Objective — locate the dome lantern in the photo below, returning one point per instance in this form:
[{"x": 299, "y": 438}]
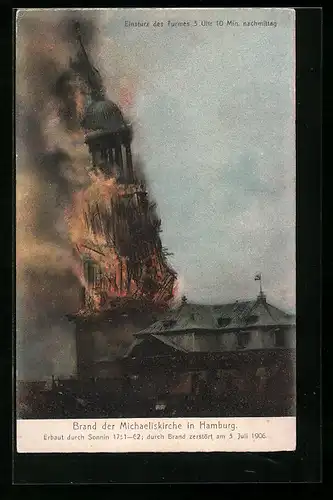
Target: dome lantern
[
  {"x": 107, "y": 134},
  {"x": 108, "y": 137}
]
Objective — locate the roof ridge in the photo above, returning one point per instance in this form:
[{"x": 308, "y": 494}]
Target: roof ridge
[
  {"x": 254, "y": 304},
  {"x": 231, "y": 303},
  {"x": 267, "y": 309}
]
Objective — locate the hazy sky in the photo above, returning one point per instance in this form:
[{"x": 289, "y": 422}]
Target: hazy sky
[{"x": 214, "y": 121}]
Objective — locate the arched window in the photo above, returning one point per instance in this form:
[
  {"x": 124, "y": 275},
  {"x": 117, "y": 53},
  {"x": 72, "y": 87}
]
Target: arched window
[
  {"x": 252, "y": 319},
  {"x": 92, "y": 271},
  {"x": 97, "y": 158},
  {"x": 279, "y": 338},
  {"x": 243, "y": 339}
]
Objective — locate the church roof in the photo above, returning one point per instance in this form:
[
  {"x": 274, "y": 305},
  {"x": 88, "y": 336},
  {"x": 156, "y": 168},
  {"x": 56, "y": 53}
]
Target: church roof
[
  {"x": 222, "y": 317},
  {"x": 258, "y": 312}
]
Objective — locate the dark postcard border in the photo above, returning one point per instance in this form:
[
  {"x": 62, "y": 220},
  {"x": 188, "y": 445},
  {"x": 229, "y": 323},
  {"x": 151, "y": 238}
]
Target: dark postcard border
[{"x": 304, "y": 465}]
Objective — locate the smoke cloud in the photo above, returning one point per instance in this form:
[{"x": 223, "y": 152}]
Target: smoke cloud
[{"x": 50, "y": 165}]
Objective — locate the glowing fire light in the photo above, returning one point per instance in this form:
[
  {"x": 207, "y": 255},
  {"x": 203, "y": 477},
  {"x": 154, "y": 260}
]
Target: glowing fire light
[
  {"x": 111, "y": 269},
  {"x": 80, "y": 100}
]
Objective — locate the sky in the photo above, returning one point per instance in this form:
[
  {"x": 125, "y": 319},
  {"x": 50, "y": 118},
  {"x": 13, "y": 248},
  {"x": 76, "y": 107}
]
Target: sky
[{"x": 214, "y": 121}]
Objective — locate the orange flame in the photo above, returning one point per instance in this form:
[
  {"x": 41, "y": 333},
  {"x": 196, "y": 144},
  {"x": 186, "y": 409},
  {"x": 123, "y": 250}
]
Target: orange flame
[
  {"x": 79, "y": 99},
  {"x": 110, "y": 269}
]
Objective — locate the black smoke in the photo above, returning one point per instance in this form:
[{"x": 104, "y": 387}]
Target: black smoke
[{"x": 47, "y": 288}]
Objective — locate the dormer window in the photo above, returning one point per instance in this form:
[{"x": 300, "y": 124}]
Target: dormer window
[
  {"x": 223, "y": 322},
  {"x": 252, "y": 319},
  {"x": 169, "y": 323}
]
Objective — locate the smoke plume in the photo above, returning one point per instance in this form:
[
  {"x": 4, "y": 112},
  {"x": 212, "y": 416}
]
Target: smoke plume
[{"x": 51, "y": 159}]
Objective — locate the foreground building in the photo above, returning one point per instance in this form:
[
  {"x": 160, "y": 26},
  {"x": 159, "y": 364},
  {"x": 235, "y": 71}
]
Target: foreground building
[
  {"x": 235, "y": 359},
  {"x": 242, "y": 352}
]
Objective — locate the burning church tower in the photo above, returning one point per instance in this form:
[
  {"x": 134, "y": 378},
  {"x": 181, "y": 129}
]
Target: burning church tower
[{"x": 126, "y": 280}]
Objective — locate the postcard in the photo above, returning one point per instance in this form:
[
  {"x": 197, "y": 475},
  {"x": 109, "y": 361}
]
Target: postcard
[{"x": 155, "y": 231}]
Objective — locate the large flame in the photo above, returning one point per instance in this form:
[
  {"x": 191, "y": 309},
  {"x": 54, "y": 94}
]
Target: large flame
[{"x": 101, "y": 233}]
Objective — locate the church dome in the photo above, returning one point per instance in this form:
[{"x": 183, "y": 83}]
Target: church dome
[{"x": 103, "y": 116}]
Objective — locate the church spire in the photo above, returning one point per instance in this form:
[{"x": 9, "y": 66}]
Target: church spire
[
  {"x": 86, "y": 70},
  {"x": 261, "y": 296}
]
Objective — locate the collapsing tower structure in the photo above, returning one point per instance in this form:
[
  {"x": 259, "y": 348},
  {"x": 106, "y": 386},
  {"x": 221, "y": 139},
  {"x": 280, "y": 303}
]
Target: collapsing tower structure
[
  {"x": 121, "y": 248},
  {"x": 113, "y": 225}
]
